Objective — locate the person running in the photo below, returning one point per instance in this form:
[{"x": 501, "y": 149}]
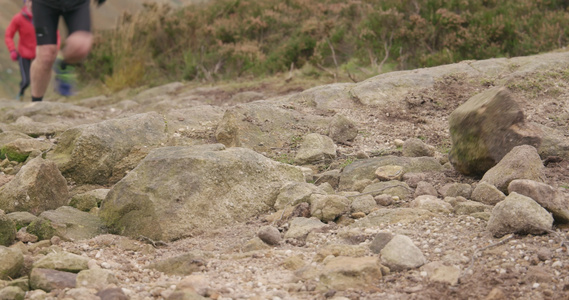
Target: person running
[
  {"x": 77, "y": 17},
  {"x": 26, "y": 51}
]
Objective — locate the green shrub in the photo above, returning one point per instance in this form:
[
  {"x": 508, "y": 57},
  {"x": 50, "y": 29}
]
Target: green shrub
[{"x": 231, "y": 38}]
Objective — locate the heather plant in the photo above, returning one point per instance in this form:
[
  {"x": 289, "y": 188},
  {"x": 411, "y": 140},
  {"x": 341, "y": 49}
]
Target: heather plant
[{"x": 225, "y": 39}]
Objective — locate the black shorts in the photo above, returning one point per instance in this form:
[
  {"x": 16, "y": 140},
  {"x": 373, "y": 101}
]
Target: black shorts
[{"x": 46, "y": 19}]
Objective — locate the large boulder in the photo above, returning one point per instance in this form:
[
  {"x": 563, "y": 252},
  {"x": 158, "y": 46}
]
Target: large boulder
[
  {"x": 522, "y": 162},
  {"x": 485, "y": 128},
  {"x": 178, "y": 191},
  {"x": 37, "y": 187},
  {"x": 88, "y": 153},
  {"x": 259, "y": 126}
]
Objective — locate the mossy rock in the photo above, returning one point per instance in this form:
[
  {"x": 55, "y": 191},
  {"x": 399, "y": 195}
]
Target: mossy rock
[
  {"x": 13, "y": 154},
  {"x": 7, "y": 231},
  {"x": 42, "y": 229}
]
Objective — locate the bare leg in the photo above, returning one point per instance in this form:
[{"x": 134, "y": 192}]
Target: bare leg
[
  {"x": 77, "y": 47},
  {"x": 41, "y": 69}
]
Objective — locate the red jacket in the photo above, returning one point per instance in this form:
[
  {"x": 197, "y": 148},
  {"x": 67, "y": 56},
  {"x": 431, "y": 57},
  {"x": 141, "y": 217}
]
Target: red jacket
[{"x": 22, "y": 23}]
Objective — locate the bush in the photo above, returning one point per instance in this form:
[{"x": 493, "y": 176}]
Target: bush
[{"x": 233, "y": 38}]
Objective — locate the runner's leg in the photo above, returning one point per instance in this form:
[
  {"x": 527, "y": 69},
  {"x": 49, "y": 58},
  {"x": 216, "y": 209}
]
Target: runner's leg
[
  {"x": 78, "y": 43},
  {"x": 45, "y": 22},
  {"x": 25, "y": 72}
]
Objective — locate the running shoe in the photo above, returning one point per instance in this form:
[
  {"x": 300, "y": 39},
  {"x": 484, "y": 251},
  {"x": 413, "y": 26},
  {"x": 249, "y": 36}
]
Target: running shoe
[{"x": 64, "y": 78}]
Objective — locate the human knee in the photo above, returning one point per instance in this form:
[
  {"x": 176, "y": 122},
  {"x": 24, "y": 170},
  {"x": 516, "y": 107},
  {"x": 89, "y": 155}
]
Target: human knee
[
  {"x": 77, "y": 46},
  {"x": 46, "y": 54}
]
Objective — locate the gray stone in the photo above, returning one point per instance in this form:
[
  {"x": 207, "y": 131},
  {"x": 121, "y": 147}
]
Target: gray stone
[
  {"x": 456, "y": 189},
  {"x": 383, "y": 199},
  {"x": 72, "y": 224},
  {"x": 413, "y": 179},
  {"x": 548, "y": 197},
  {"x": 365, "y": 204},
  {"x": 20, "y": 149},
  {"x": 86, "y": 201},
  {"x": 330, "y": 97},
  {"x": 438, "y": 272},
  {"x": 95, "y": 279},
  {"x": 49, "y": 280},
  {"x": 416, "y": 148},
  {"x": 8, "y": 136},
  {"x": 79, "y": 152},
  {"x": 12, "y": 293},
  {"x": 11, "y": 262},
  {"x": 254, "y": 244},
  {"x": 431, "y": 203},
  {"x": 328, "y": 207},
  {"x": 485, "y": 128},
  {"x": 315, "y": 148},
  {"x": 23, "y": 236},
  {"x": 470, "y": 207},
  {"x": 401, "y": 254},
  {"x": 38, "y": 186},
  {"x": 7, "y": 230},
  {"x": 519, "y": 214},
  {"x": 177, "y": 191},
  {"x": 79, "y": 293},
  {"x": 342, "y": 273},
  {"x": 332, "y": 177},
  {"x": 342, "y": 130},
  {"x": 270, "y": 235},
  {"x": 379, "y": 241},
  {"x": 553, "y": 142},
  {"x": 425, "y": 188},
  {"x": 522, "y": 162},
  {"x": 293, "y": 193},
  {"x": 112, "y": 294},
  {"x": 184, "y": 264},
  {"x": 393, "y": 188},
  {"x": 389, "y": 172},
  {"x": 301, "y": 227},
  {"x": 21, "y": 218},
  {"x": 194, "y": 125},
  {"x": 185, "y": 295},
  {"x": 384, "y": 216},
  {"x": 365, "y": 169},
  {"x": 63, "y": 261},
  {"x": 487, "y": 194},
  {"x": 258, "y": 125},
  {"x": 195, "y": 283}
]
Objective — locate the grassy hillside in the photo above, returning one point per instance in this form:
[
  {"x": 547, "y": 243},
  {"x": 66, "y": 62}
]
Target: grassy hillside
[
  {"x": 104, "y": 17},
  {"x": 343, "y": 40}
]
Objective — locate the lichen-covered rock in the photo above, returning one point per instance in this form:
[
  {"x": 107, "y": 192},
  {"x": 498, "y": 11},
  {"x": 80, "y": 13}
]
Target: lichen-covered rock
[
  {"x": 88, "y": 153},
  {"x": 315, "y": 148},
  {"x": 7, "y": 230},
  {"x": 11, "y": 262},
  {"x": 177, "y": 191},
  {"x": 485, "y": 128},
  {"x": 522, "y": 162},
  {"x": 37, "y": 187},
  {"x": 519, "y": 214}
]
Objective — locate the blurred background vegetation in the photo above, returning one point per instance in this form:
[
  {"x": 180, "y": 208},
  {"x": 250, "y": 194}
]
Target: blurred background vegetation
[{"x": 337, "y": 40}]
